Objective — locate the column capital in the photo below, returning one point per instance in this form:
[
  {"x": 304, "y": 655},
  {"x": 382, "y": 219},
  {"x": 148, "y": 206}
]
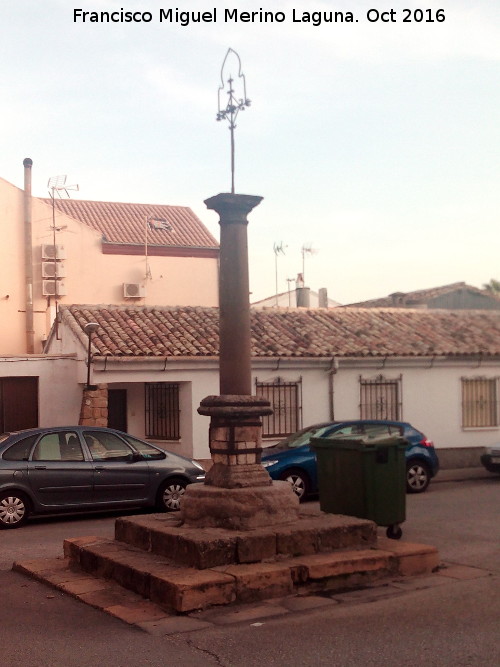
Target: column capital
[{"x": 233, "y": 208}]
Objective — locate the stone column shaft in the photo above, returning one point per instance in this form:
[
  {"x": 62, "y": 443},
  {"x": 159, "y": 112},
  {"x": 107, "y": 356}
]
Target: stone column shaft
[{"x": 234, "y": 292}]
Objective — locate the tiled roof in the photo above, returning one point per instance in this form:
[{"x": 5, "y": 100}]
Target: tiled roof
[
  {"x": 135, "y": 331},
  {"x": 419, "y": 296},
  {"x": 125, "y": 223}
]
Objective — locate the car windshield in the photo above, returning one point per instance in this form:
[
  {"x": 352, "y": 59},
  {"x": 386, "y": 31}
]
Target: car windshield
[{"x": 302, "y": 437}]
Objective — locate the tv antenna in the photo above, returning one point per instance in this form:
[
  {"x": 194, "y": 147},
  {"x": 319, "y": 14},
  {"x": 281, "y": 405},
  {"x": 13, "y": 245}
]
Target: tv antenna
[
  {"x": 234, "y": 104},
  {"x": 306, "y": 250},
  {"x": 290, "y": 281},
  {"x": 153, "y": 223},
  {"x": 279, "y": 249},
  {"x": 57, "y": 184}
]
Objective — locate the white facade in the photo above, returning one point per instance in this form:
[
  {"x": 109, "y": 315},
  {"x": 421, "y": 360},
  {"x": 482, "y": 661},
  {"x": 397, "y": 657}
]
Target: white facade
[
  {"x": 89, "y": 275},
  {"x": 431, "y": 396},
  {"x": 59, "y": 394},
  {"x": 430, "y": 391}
]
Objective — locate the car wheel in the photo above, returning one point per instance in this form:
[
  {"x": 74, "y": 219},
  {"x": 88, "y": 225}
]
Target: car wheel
[
  {"x": 298, "y": 481},
  {"x": 170, "y": 495},
  {"x": 417, "y": 477},
  {"x": 394, "y": 532},
  {"x": 14, "y": 509}
]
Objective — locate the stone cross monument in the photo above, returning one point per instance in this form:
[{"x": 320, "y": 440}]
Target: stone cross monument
[{"x": 238, "y": 493}]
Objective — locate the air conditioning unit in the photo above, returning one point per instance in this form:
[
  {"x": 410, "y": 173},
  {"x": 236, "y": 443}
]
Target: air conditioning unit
[
  {"x": 53, "y": 288},
  {"x": 133, "y": 290},
  {"x": 50, "y": 251},
  {"x": 53, "y": 270}
]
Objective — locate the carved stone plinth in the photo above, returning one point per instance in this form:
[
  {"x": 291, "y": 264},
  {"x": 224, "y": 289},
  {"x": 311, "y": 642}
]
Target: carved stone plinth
[{"x": 239, "y": 508}]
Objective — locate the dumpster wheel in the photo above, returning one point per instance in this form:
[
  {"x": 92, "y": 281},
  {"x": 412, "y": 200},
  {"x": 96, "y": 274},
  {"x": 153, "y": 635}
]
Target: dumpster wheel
[{"x": 394, "y": 531}]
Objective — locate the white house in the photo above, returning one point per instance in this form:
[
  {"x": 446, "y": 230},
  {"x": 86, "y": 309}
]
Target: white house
[
  {"x": 63, "y": 251},
  {"x": 439, "y": 370},
  {"x": 453, "y": 296}
]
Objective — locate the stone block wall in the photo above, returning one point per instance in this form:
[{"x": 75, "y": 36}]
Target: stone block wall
[{"x": 94, "y": 409}]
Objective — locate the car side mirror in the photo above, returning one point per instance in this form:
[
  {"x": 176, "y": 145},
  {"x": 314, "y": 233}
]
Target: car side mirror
[{"x": 135, "y": 456}]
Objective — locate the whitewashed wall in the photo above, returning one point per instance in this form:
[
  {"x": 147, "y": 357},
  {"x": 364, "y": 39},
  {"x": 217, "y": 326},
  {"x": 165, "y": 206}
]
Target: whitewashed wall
[
  {"x": 431, "y": 392},
  {"x": 59, "y": 395},
  {"x": 431, "y": 397}
]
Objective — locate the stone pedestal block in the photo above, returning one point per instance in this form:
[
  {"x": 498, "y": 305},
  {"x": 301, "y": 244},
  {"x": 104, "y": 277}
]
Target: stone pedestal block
[{"x": 239, "y": 508}]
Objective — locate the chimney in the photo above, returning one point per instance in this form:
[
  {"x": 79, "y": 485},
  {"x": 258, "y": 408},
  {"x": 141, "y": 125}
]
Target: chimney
[
  {"x": 322, "y": 297},
  {"x": 301, "y": 292},
  {"x": 28, "y": 257},
  {"x": 398, "y": 299}
]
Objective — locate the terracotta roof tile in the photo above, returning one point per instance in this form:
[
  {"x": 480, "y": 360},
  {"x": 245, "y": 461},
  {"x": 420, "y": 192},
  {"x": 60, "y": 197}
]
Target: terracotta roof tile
[
  {"x": 125, "y": 223},
  {"x": 135, "y": 331}
]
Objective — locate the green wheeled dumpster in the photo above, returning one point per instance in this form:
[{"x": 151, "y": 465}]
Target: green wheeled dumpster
[{"x": 365, "y": 478}]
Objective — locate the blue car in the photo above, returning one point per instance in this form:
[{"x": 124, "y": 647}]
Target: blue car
[{"x": 293, "y": 460}]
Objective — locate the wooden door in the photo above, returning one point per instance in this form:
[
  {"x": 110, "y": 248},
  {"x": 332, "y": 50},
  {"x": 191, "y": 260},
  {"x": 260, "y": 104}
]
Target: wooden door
[{"x": 18, "y": 403}]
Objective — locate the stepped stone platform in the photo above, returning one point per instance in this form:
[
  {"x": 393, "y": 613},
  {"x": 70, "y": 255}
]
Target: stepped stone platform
[{"x": 181, "y": 569}]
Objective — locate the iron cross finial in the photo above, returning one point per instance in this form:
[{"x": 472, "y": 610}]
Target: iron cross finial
[{"x": 235, "y": 102}]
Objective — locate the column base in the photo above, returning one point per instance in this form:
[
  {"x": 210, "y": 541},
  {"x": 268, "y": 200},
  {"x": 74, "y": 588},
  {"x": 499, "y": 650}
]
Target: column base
[{"x": 245, "y": 508}]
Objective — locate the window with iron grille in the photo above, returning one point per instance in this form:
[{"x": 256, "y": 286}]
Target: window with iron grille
[
  {"x": 285, "y": 400},
  {"x": 162, "y": 411},
  {"x": 380, "y": 398},
  {"x": 480, "y": 402}
]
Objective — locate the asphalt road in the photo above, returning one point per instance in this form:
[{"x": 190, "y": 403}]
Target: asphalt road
[{"x": 436, "y": 621}]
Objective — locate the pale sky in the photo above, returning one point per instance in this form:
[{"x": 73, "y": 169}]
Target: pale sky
[{"x": 375, "y": 143}]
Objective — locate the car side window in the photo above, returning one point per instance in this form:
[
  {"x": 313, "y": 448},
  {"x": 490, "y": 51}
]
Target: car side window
[
  {"x": 20, "y": 451},
  {"x": 381, "y": 430},
  {"x": 59, "y": 446},
  {"x": 347, "y": 430},
  {"x": 148, "y": 452},
  {"x": 107, "y": 446},
  {"x": 376, "y": 431}
]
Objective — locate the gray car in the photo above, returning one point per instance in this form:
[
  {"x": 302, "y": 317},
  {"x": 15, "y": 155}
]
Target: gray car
[
  {"x": 491, "y": 458},
  {"x": 83, "y": 468}
]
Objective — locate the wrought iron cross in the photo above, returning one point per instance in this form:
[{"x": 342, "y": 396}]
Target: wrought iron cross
[{"x": 235, "y": 103}]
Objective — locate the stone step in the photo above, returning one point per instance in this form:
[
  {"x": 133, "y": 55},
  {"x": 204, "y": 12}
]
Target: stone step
[
  {"x": 184, "y": 589},
  {"x": 203, "y": 548}
]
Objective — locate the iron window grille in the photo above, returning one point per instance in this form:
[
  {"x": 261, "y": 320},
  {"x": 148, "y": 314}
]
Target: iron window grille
[
  {"x": 286, "y": 402},
  {"x": 162, "y": 411},
  {"x": 380, "y": 398},
  {"x": 480, "y": 405}
]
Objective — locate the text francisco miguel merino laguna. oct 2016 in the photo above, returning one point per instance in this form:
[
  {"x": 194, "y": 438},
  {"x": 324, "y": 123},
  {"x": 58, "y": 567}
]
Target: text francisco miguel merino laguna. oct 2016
[{"x": 235, "y": 15}]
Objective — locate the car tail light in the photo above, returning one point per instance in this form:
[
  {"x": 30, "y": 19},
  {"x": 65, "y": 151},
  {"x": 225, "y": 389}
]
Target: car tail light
[{"x": 426, "y": 442}]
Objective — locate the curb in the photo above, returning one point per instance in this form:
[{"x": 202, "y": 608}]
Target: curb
[
  {"x": 462, "y": 475},
  {"x": 110, "y": 598}
]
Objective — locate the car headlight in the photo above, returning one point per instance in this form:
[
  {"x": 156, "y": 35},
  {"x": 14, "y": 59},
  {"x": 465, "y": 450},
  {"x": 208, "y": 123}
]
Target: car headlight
[
  {"x": 198, "y": 465},
  {"x": 268, "y": 464}
]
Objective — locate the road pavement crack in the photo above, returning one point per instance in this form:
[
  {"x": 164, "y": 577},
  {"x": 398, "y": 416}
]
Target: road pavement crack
[{"x": 218, "y": 660}]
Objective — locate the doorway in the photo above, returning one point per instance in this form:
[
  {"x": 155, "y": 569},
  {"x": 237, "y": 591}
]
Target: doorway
[
  {"x": 18, "y": 403},
  {"x": 117, "y": 409}
]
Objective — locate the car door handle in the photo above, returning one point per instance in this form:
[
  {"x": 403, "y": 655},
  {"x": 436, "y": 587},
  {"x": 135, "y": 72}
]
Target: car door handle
[
  {"x": 40, "y": 467},
  {"x": 99, "y": 468}
]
